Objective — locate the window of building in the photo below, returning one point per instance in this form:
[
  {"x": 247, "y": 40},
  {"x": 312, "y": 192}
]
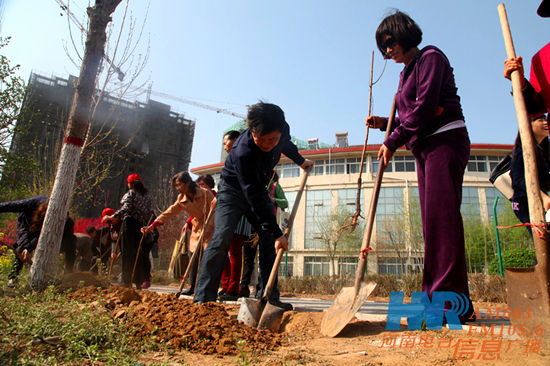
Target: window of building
[
  {"x": 375, "y": 162},
  {"x": 289, "y": 171},
  {"x": 470, "y": 202},
  {"x": 291, "y": 198},
  {"x": 390, "y": 216},
  {"x": 490, "y": 195},
  {"x": 493, "y": 161},
  {"x": 394, "y": 266},
  {"x": 404, "y": 163},
  {"x": 286, "y": 268},
  {"x": 477, "y": 163},
  {"x": 336, "y": 166},
  {"x": 318, "y": 168},
  {"x": 316, "y": 266},
  {"x": 347, "y": 265},
  {"x": 353, "y": 165},
  {"x": 318, "y": 206}
]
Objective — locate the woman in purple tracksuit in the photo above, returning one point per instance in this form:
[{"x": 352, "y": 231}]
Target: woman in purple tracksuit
[{"x": 431, "y": 125}]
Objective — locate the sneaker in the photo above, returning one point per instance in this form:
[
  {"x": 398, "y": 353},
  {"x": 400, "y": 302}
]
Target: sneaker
[
  {"x": 11, "y": 283},
  {"x": 228, "y": 296},
  {"x": 222, "y": 292},
  {"x": 283, "y": 305},
  {"x": 146, "y": 284}
]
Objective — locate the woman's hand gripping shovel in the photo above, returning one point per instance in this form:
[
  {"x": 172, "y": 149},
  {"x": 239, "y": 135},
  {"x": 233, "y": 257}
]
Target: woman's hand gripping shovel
[
  {"x": 261, "y": 313},
  {"x": 350, "y": 299}
]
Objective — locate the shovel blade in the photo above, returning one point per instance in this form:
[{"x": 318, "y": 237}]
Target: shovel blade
[
  {"x": 344, "y": 308},
  {"x": 527, "y": 307},
  {"x": 271, "y": 318},
  {"x": 250, "y": 312}
]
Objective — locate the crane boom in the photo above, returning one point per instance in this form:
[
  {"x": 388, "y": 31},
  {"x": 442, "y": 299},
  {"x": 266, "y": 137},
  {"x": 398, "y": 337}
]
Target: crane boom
[{"x": 197, "y": 104}]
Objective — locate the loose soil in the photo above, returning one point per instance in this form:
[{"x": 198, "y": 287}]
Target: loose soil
[{"x": 209, "y": 334}]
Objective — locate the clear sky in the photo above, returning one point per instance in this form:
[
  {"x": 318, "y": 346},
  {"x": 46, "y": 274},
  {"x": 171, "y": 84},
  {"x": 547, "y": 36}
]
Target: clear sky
[{"x": 311, "y": 57}]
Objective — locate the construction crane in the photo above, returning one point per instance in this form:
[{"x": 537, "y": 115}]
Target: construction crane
[{"x": 197, "y": 104}]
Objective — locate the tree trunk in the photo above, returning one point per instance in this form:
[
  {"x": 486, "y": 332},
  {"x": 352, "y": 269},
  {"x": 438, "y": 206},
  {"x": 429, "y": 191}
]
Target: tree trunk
[{"x": 50, "y": 237}]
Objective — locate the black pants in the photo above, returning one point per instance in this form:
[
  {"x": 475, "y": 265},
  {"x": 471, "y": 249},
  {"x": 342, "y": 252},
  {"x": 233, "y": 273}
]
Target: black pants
[
  {"x": 249, "y": 256},
  {"x": 131, "y": 235}
]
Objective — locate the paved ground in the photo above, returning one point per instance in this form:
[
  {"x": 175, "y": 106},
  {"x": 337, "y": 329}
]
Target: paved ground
[{"x": 370, "y": 311}]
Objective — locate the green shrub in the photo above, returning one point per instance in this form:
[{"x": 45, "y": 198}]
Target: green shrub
[{"x": 514, "y": 258}]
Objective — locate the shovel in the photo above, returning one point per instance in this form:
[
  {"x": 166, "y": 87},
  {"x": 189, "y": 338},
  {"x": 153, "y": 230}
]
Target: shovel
[
  {"x": 528, "y": 289},
  {"x": 261, "y": 313},
  {"x": 350, "y": 299},
  {"x": 196, "y": 254}
]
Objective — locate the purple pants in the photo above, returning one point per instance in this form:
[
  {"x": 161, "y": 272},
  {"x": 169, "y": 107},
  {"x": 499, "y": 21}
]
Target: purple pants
[{"x": 441, "y": 160}]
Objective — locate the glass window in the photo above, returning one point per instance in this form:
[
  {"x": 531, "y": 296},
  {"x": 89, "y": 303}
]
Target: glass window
[
  {"x": 290, "y": 171},
  {"x": 477, "y": 163},
  {"x": 404, "y": 163},
  {"x": 315, "y": 266},
  {"x": 336, "y": 166},
  {"x": 347, "y": 265},
  {"x": 286, "y": 268},
  {"x": 389, "y": 216},
  {"x": 389, "y": 168},
  {"x": 318, "y": 206},
  {"x": 291, "y": 198},
  {"x": 490, "y": 195},
  {"x": 470, "y": 202},
  {"x": 353, "y": 165},
  {"x": 394, "y": 266},
  {"x": 318, "y": 167}
]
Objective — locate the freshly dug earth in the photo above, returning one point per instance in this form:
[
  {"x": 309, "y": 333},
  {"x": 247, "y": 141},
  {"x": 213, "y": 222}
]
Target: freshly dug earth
[
  {"x": 210, "y": 334},
  {"x": 206, "y": 329}
]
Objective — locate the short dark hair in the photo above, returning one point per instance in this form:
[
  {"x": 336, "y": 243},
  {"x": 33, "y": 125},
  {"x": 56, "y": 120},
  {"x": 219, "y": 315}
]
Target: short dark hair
[
  {"x": 401, "y": 28},
  {"x": 138, "y": 186},
  {"x": 184, "y": 177},
  {"x": 232, "y": 135},
  {"x": 207, "y": 179},
  {"x": 90, "y": 230},
  {"x": 264, "y": 118}
]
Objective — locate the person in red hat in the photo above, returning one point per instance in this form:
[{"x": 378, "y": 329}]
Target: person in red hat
[
  {"x": 536, "y": 90},
  {"x": 134, "y": 212}
]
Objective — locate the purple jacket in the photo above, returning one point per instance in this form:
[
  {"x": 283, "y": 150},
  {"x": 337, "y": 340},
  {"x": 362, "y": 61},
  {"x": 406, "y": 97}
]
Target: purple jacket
[{"x": 426, "y": 99}]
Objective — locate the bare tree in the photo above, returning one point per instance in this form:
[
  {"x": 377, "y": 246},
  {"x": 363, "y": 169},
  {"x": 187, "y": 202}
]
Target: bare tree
[
  {"x": 50, "y": 237},
  {"x": 338, "y": 240}
]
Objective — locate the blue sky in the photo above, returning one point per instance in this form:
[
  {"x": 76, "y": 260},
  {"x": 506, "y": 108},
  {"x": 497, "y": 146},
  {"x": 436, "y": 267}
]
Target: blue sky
[{"x": 311, "y": 57}]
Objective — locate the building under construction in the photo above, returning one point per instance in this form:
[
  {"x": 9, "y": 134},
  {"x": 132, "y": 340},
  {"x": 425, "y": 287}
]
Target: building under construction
[{"x": 124, "y": 137}]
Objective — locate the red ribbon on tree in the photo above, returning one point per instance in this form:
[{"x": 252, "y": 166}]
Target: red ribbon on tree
[{"x": 365, "y": 251}]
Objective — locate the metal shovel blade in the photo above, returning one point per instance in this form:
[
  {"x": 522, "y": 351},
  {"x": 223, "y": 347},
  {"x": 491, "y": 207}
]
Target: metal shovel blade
[
  {"x": 527, "y": 308},
  {"x": 344, "y": 308},
  {"x": 271, "y": 318},
  {"x": 250, "y": 311}
]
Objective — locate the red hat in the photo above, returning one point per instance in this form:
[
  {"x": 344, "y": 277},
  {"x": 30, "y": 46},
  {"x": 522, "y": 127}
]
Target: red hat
[
  {"x": 133, "y": 177},
  {"x": 107, "y": 212}
]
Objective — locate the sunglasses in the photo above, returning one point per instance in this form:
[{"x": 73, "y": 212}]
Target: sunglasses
[{"x": 389, "y": 42}]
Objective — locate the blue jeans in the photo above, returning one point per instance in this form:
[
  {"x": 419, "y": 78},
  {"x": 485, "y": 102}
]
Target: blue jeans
[{"x": 231, "y": 205}]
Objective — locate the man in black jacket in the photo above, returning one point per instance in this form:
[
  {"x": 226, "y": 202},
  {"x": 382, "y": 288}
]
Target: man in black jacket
[{"x": 241, "y": 191}]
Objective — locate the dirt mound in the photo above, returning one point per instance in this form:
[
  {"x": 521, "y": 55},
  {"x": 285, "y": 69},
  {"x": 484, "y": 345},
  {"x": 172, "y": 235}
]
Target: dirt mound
[
  {"x": 76, "y": 280},
  {"x": 206, "y": 329}
]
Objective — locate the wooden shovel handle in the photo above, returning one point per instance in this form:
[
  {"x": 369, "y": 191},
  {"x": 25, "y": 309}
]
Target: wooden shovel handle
[
  {"x": 275, "y": 268},
  {"x": 536, "y": 211},
  {"x": 362, "y": 264}
]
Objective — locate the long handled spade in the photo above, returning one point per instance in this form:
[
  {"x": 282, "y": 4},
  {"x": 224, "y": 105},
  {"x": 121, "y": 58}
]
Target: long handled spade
[
  {"x": 528, "y": 289},
  {"x": 196, "y": 254},
  {"x": 350, "y": 299},
  {"x": 114, "y": 254},
  {"x": 139, "y": 250},
  {"x": 261, "y": 313}
]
